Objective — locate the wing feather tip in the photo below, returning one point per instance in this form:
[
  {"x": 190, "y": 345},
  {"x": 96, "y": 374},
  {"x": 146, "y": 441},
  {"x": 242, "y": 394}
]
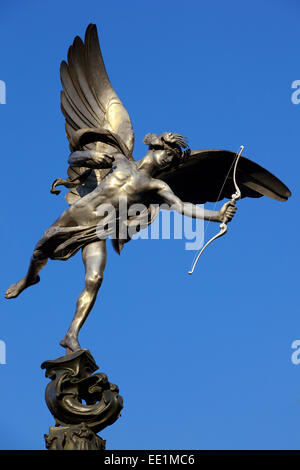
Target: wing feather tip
[
  {"x": 288, "y": 193},
  {"x": 90, "y": 30}
]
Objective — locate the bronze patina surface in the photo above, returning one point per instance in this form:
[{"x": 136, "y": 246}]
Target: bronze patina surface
[{"x": 102, "y": 172}]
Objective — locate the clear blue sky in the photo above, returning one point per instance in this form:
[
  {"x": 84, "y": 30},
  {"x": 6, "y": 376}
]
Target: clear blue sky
[{"x": 203, "y": 361}]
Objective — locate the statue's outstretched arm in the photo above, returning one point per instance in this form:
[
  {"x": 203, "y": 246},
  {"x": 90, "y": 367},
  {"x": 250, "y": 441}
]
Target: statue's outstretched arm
[
  {"x": 90, "y": 159},
  {"x": 192, "y": 210}
]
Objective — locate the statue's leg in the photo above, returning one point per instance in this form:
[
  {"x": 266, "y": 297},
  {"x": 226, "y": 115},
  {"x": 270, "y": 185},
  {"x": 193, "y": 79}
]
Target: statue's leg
[
  {"x": 37, "y": 262},
  {"x": 94, "y": 258}
]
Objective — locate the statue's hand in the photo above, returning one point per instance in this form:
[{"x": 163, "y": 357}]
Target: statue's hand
[
  {"x": 105, "y": 160},
  {"x": 227, "y": 212},
  {"x": 90, "y": 159}
]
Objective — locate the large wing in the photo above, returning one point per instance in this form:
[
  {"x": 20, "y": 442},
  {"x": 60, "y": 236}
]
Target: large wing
[
  {"x": 95, "y": 117},
  {"x": 200, "y": 178}
]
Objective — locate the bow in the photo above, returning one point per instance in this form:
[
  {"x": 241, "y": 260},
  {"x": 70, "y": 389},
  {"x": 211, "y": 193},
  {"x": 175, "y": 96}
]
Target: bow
[{"x": 234, "y": 198}]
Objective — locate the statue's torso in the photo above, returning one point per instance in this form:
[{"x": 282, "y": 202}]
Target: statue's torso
[{"x": 124, "y": 181}]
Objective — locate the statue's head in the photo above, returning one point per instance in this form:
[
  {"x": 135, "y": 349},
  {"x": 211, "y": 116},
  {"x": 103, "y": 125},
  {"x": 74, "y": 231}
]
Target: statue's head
[{"x": 171, "y": 143}]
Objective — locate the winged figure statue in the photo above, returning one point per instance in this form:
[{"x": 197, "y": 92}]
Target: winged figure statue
[{"x": 102, "y": 173}]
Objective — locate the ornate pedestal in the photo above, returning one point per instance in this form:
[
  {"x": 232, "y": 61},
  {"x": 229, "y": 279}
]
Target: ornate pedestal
[{"x": 81, "y": 403}]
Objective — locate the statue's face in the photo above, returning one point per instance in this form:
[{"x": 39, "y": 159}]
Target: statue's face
[
  {"x": 161, "y": 147},
  {"x": 162, "y": 158}
]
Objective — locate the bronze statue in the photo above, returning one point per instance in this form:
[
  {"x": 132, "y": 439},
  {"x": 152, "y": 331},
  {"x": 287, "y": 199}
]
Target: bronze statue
[{"x": 103, "y": 173}]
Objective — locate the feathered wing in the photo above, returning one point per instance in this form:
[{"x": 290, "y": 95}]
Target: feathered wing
[
  {"x": 200, "y": 178},
  {"x": 207, "y": 176},
  {"x": 95, "y": 117}
]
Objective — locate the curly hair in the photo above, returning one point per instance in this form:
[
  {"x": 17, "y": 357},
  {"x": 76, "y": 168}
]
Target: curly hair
[{"x": 174, "y": 139}]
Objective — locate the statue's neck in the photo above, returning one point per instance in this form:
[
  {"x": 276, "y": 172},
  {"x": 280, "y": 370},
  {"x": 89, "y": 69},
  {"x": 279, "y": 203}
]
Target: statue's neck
[{"x": 147, "y": 163}]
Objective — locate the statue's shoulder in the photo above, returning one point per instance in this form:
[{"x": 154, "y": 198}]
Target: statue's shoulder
[{"x": 122, "y": 159}]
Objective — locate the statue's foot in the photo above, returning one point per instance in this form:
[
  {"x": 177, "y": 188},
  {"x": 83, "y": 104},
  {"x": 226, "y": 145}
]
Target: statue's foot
[
  {"x": 18, "y": 287},
  {"x": 70, "y": 343}
]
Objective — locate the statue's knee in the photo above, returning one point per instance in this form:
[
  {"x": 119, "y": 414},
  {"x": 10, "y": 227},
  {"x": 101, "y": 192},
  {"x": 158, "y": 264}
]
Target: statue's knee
[
  {"x": 38, "y": 255},
  {"x": 93, "y": 280}
]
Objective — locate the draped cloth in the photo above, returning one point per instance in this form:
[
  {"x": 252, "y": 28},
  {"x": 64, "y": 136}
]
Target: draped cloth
[{"x": 62, "y": 242}]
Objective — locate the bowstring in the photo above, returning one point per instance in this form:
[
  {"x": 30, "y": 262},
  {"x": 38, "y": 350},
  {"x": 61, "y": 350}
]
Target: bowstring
[{"x": 220, "y": 192}]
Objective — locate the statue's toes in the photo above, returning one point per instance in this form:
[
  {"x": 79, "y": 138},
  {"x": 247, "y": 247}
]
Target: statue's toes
[{"x": 12, "y": 291}]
